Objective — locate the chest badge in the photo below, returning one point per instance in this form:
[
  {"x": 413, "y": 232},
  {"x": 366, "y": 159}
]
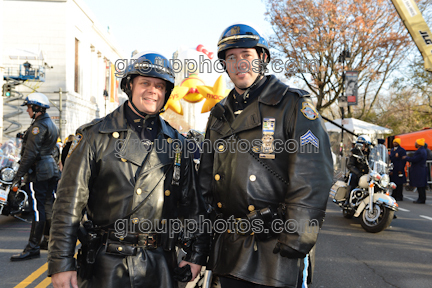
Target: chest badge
[
  {"x": 176, "y": 173},
  {"x": 267, "y": 145}
]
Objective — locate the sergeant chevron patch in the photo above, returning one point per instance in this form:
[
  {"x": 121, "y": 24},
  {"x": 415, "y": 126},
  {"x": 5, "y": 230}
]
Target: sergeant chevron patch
[{"x": 309, "y": 137}]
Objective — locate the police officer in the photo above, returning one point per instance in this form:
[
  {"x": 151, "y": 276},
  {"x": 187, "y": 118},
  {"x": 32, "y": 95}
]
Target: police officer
[
  {"x": 357, "y": 162},
  {"x": 418, "y": 170},
  {"x": 398, "y": 174},
  {"x": 285, "y": 164},
  {"x": 37, "y": 161},
  {"x": 128, "y": 166}
]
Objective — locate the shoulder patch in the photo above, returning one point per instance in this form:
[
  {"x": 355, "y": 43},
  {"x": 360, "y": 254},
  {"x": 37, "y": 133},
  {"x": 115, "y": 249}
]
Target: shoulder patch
[
  {"x": 75, "y": 143},
  {"x": 35, "y": 130},
  {"x": 309, "y": 111}
]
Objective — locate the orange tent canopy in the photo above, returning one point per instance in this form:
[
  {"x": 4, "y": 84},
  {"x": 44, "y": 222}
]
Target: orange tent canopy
[{"x": 408, "y": 139}]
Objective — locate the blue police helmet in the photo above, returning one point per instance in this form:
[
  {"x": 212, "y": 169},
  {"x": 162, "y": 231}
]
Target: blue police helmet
[
  {"x": 149, "y": 64},
  {"x": 364, "y": 139},
  {"x": 241, "y": 35}
]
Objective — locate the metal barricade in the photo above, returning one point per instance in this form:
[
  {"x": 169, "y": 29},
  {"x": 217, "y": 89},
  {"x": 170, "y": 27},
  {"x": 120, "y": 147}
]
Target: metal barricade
[{"x": 429, "y": 169}]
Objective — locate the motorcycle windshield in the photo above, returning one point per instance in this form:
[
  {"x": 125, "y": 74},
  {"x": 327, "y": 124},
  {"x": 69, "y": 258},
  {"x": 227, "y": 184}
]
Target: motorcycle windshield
[
  {"x": 10, "y": 153},
  {"x": 379, "y": 159}
]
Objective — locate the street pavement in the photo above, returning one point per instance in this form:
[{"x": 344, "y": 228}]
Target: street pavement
[{"x": 347, "y": 255}]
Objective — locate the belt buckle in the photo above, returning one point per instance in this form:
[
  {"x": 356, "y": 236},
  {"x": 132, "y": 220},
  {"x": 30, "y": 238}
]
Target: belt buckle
[
  {"x": 148, "y": 241},
  {"x": 237, "y": 230},
  {"x": 151, "y": 241}
]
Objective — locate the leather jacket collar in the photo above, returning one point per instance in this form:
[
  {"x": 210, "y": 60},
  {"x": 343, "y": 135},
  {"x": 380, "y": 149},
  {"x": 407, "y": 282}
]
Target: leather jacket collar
[
  {"x": 271, "y": 94},
  {"x": 116, "y": 122}
]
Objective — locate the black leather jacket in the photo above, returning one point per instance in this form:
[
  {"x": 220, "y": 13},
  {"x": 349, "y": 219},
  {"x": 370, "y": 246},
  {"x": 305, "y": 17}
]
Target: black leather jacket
[
  {"x": 38, "y": 146},
  {"x": 109, "y": 172},
  {"x": 357, "y": 163},
  {"x": 235, "y": 183}
]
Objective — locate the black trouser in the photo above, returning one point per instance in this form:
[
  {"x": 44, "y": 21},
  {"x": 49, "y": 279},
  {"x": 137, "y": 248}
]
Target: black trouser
[
  {"x": 39, "y": 191},
  {"x": 304, "y": 276},
  {"x": 422, "y": 194},
  {"x": 352, "y": 184},
  {"x": 235, "y": 283},
  {"x": 397, "y": 193}
]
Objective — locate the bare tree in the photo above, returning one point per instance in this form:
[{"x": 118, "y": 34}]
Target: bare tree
[{"x": 317, "y": 31}]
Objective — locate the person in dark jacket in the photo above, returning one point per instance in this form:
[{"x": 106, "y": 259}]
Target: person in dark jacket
[
  {"x": 398, "y": 174},
  {"x": 265, "y": 150},
  {"x": 357, "y": 162},
  {"x": 418, "y": 170},
  {"x": 132, "y": 175},
  {"x": 38, "y": 163},
  {"x": 429, "y": 152},
  {"x": 65, "y": 150}
]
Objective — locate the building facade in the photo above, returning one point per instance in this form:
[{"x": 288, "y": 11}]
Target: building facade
[{"x": 73, "y": 54}]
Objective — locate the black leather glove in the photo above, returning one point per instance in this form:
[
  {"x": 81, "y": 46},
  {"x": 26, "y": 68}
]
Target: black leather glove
[
  {"x": 183, "y": 274},
  {"x": 286, "y": 251},
  {"x": 16, "y": 182}
]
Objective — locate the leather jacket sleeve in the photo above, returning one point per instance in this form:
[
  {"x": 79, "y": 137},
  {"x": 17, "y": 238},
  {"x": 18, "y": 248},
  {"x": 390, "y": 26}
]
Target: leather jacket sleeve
[
  {"x": 72, "y": 196},
  {"x": 310, "y": 174},
  {"x": 192, "y": 208},
  {"x": 352, "y": 166},
  {"x": 33, "y": 145},
  {"x": 206, "y": 170}
]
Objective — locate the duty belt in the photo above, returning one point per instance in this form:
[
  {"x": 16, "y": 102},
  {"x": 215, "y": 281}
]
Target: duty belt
[{"x": 127, "y": 244}]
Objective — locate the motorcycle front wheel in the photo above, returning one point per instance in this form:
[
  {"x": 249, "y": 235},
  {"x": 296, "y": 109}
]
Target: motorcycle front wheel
[{"x": 376, "y": 220}]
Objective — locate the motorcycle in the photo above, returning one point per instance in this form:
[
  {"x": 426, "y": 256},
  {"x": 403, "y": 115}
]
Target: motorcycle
[
  {"x": 13, "y": 200},
  {"x": 371, "y": 200}
]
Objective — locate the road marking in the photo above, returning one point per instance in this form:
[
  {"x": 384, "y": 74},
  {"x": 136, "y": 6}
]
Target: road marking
[
  {"x": 426, "y": 217},
  {"x": 11, "y": 250},
  {"x": 44, "y": 283},
  {"x": 404, "y": 210},
  {"x": 36, "y": 274},
  {"x": 33, "y": 276},
  {"x": 409, "y": 198}
]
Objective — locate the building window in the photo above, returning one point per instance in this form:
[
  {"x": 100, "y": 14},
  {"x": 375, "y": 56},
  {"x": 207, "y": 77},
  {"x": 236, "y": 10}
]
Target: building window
[{"x": 76, "y": 66}]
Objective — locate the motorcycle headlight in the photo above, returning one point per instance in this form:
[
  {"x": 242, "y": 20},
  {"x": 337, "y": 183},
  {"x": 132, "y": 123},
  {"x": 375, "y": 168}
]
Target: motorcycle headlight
[
  {"x": 385, "y": 180},
  {"x": 7, "y": 174}
]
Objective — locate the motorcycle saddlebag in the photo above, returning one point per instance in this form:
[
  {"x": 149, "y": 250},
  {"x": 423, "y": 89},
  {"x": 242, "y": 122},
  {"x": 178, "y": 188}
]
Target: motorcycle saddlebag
[{"x": 338, "y": 190}]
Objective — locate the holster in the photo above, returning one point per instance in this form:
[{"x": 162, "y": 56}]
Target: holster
[
  {"x": 90, "y": 244},
  {"x": 266, "y": 215}
]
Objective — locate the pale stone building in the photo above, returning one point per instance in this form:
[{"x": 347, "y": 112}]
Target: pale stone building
[{"x": 64, "y": 35}]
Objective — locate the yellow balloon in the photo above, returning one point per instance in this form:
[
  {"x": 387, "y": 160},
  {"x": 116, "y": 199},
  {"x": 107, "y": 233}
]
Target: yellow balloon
[
  {"x": 173, "y": 102},
  {"x": 193, "y": 95},
  {"x": 213, "y": 94}
]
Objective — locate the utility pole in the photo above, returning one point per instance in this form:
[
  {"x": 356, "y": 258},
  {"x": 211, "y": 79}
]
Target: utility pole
[
  {"x": 343, "y": 102},
  {"x": 60, "y": 108}
]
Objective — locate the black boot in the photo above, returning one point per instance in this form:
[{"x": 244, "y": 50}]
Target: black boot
[
  {"x": 32, "y": 249},
  {"x": 44, "y": 243}
]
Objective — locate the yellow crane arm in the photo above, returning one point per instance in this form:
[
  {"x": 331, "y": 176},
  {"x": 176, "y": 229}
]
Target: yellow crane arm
[{"x": 417, "y": 27}]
